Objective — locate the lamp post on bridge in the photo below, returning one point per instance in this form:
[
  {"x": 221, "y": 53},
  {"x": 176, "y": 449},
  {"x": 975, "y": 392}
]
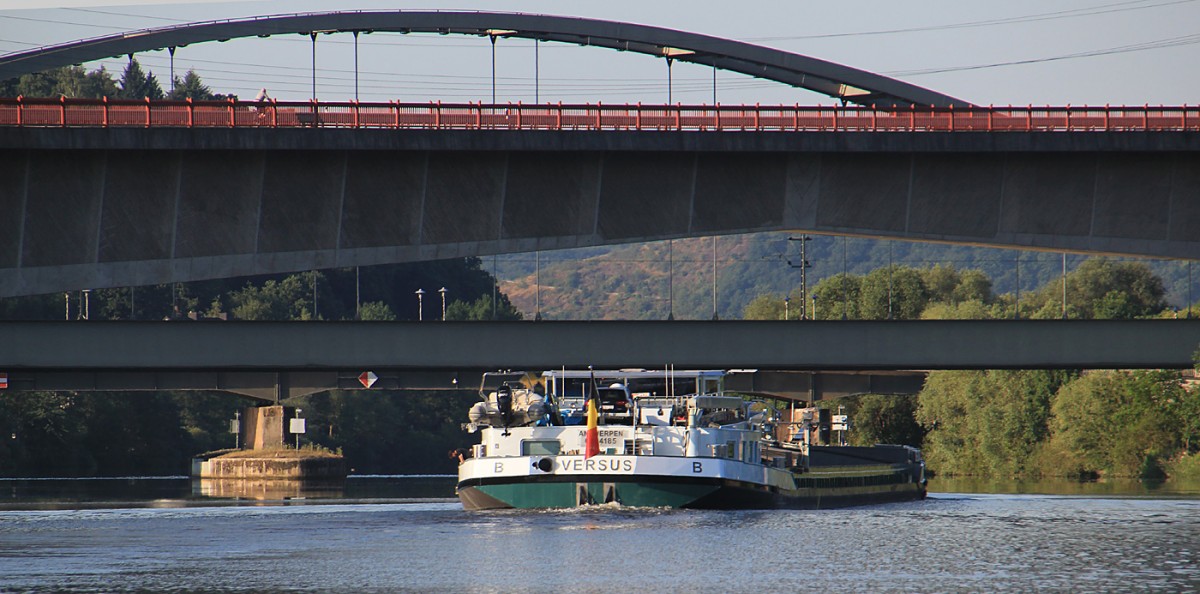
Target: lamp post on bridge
[
  {"x": 492, "y": 35},
  {"x": 443, "y": 292},
  {"x": 313, "y": 36},
  {"x": 420, "y": 304}
]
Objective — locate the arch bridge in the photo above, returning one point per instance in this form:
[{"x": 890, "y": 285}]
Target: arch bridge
[{"x": 834, "y": 80}]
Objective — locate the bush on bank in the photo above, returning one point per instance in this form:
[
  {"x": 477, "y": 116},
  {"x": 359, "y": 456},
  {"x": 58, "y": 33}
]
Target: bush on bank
[{"x": 1056, "y": 424}]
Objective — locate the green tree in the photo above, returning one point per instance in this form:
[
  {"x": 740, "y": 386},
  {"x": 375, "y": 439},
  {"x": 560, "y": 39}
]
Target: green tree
[
  {"x": 133, "y": 433},
  {"x": 99, "y": 83},
  {"x": 973, "y": 285},
  {"x": 68, "y": 81},
  {"x": 376, "y": 311},
  {"x": 74, "y": 81},
  {"x": 837, "y": 297},
  {"x": 886, "y": 419},
  {"x": 191, "y": 87},
  {"x": 893, "y": 293},
  {"x": 963, "y": 310},
  {"x": 1116, "y": 305},
  {"x": 1101, "y": 288},
  {"x": 986, "y": 423},
  {"x": 42, "y": 434},
  {"x": 1117, "y": 422},
  {"x": 941, "y": 281},
  {"x": 482, "y": 309},
  {"x": 38, "y": 84},
  {"x": 205, "y": 417},
  {"x": 288, "y": 299},
  {"x": 138, "y": 84},
  {"x": 389, "y": 432},
  {"x": 765, "y": 307}
]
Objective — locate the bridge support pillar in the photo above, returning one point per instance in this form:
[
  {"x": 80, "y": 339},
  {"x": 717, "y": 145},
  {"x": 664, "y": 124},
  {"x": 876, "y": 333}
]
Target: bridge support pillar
[{"x": 266, "y": 426}]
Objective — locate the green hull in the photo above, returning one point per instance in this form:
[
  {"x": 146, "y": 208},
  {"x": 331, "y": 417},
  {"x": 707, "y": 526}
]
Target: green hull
[
  {"x": 533, "y": 495},
  {"x": 668, "y": 492}
]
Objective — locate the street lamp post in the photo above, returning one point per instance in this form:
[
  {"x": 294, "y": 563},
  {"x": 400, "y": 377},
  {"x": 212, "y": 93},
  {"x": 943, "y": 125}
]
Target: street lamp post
[
  {"x": 492, "y": 35},
  {"x": 420, "y": 304},
  {"x": 814, "y": 298},
  {"x": 786, "y": 301},
  {"x": 443, "y": 292}
]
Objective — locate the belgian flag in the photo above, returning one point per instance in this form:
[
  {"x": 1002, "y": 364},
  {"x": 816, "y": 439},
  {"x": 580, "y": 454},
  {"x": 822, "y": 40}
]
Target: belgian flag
[{"x": 592, "y": 438}]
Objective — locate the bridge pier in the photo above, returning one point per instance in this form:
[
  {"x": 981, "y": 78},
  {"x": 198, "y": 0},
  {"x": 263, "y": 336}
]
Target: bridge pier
[
  {"x": 267, "y": 452},
  {"x": 265, "y": 427}
]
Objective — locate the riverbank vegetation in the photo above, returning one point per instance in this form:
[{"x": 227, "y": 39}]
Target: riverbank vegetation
[{"x": 1022, "y": 424}]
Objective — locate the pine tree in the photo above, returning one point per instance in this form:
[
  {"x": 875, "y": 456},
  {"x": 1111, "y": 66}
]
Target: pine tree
[
  {"x": 137, "y": 84},
  {"x": 191, "y": 87}
]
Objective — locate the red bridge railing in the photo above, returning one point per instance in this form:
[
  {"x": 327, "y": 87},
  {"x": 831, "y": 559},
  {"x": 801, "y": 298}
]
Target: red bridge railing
[{"x": 516, "y": 116}]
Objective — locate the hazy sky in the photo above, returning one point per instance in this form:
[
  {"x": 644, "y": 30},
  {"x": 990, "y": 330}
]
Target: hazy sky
[{"x": 1017, "y": 51}]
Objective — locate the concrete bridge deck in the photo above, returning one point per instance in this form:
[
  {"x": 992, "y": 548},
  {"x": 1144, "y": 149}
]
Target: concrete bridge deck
[
  {"x": 434, "y": 346},
  {"x": 109, "y": 207}
]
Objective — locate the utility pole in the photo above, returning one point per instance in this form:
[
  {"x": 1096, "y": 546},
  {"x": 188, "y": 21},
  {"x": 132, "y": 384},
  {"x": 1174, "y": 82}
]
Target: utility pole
[
  {"x": 804, "y": 265},
  {"x": 1017, "y": 313},
  {"x": 670, "y": 279},
  {"x": 538, "y": 281},
  {"x": 891, "y": 269},
  {"x": 714, "y": 276}
]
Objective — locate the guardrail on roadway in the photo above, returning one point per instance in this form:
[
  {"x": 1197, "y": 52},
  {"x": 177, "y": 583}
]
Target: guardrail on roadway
[{"x": 65, "y": 112}]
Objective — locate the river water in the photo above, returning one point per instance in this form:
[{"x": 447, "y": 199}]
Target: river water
[{"x": 389, "y": 534}]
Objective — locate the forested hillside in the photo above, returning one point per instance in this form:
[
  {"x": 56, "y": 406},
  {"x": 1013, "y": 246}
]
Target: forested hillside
[{"x": 652, "y": 280}]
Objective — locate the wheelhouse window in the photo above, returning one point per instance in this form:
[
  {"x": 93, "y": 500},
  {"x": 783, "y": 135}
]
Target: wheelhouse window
[{"x": 540, "y": 447}]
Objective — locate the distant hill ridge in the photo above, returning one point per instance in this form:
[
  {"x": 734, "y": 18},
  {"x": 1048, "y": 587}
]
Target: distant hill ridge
[{"x": 636, "y": 282}]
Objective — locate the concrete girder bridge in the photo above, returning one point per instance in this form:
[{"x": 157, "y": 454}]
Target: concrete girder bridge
[{"x": 132, "y": 193}]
